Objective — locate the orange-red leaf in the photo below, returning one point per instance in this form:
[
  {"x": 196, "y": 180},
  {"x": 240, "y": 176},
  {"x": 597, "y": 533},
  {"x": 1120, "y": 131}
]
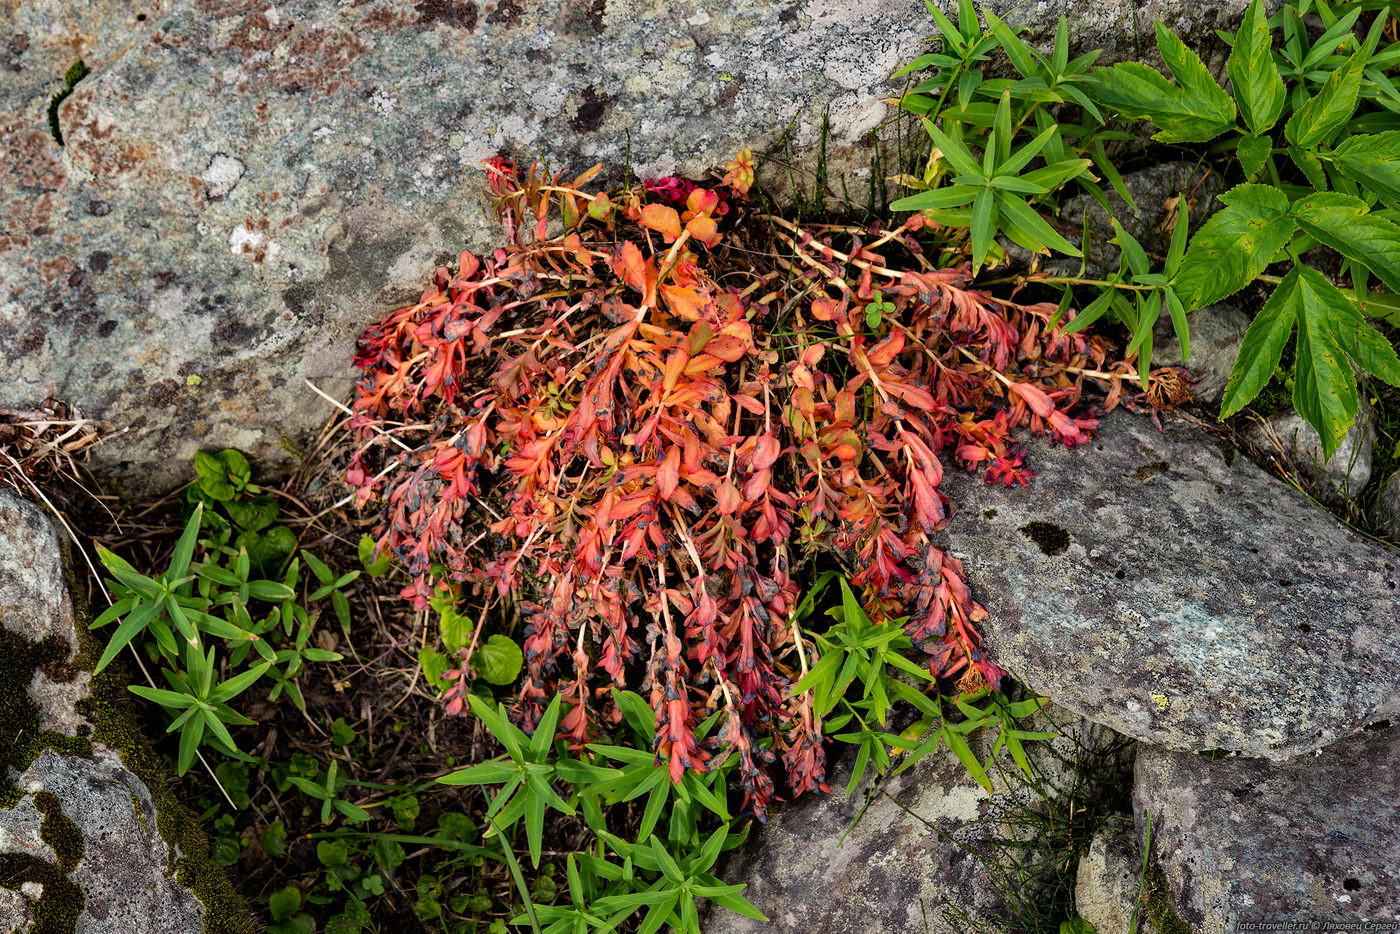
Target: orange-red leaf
[{"x": 663, "y": 220}]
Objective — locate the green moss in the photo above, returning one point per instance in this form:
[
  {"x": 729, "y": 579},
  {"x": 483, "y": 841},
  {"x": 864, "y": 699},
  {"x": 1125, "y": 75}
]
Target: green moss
[
  {"x": 1051, "y": 539},
  {"x": 1148, "y": 471},
  {"x": 20, "y": 738},
  {"x": 59, "y": 831},
  {"x": 56, "y": 911},
  {"x": 75, "y": 73},
  {"x": 1159, "y": 905}
]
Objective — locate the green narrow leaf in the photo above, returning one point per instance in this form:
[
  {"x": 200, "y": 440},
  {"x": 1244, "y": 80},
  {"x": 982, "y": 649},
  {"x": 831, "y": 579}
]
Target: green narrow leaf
[
  {"x": 1258, "y": 88},
  {"x": 953, "y": 151},
  {"x": 1015, "y": 49},
  {"x": 184, "y": 548},
  {"x": 953, "y": 196},
  {"x": 1028, "y": 220},
  {"x": 983, "y": 226}
]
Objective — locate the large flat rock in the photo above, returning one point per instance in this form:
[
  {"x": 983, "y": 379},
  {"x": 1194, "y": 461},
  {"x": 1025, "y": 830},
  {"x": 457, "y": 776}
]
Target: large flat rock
[
  {"x": 1244, "y": 842},
  {"x": 1170, "y": 589},
  {"x": 245, "y": 185}
]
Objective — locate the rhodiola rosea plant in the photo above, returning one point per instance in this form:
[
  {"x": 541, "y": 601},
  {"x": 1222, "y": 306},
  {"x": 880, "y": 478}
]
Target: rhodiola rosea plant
[{"x": 641, "y": 422}]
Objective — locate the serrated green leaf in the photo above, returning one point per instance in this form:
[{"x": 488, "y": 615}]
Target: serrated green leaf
[
  {"x": 1135, "y": 90},
  {"x": 1262, "y": 347},
  {"x": 1258, "y": 88},
  {"x": 1373, "y": 162},
  {"x": 1346, "y": 225},
  {"x": 1235, "y": 245},
  {"x": 1329, "y": 109},
  {"x": 1253, "y": 152},
  {"x": 1324, "y": 386}
]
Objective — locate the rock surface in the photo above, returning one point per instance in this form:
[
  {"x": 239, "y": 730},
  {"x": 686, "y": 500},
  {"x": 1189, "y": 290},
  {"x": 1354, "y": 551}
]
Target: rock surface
[
  {"x": 1215, "y": 335},
  {"x": 1173, "y": 591},
  {"x": 81, "y": 833},
  {"x": 1108, "y": 883},
  {"x": 1243, "y": 841},
  {"x": 1345, "y": 473},
  {"x": 244, "y": 187},
  {"x": 123, "y": 867},
  {"x": 924, "y": 851},
  {"x": 1155, "y": 190},
  {"x": 1388, "y": 507}
]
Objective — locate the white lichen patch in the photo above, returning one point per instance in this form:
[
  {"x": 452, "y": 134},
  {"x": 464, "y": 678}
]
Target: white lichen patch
[{"x": 222, "y": 174}]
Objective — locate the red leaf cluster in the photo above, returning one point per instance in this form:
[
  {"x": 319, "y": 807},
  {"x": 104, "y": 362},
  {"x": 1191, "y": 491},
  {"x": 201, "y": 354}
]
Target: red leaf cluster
[{"x": 639, "y": 435}]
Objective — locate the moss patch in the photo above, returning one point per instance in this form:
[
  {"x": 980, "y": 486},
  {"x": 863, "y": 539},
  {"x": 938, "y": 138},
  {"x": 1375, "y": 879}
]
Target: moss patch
[
  {"x": 59, "y": 831},
  {"x": 1049, "y": 537},
  {"x": 1159, "y": 905},
  {"x": 75, "y": 73},
  {"x": 57, "y": 910}
]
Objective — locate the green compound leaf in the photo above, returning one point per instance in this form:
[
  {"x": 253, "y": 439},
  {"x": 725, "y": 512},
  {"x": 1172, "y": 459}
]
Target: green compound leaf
[
  {"x": 1253, "y": 75},
  {"x": 1330, "y": 331},
  {"x": 1235, "y": 245},
  {"x": 1195, "y": 109}
]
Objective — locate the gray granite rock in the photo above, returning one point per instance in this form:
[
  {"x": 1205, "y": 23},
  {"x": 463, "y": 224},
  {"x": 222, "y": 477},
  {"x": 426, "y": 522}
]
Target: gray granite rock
[
  {"x": 80, "y": 835},
  {"x": 1170, "y": 589},
  {"x": 1345, "y": 473},
  {"x": 915, "y": 853},
  {"x": 244, "y": 186},
  {"x": 1246, "y": 841},
  {"x": 1387, "y": 509},
  {"x": 1155, "y": 190},
  {"x": 1215, "y": 335},
  {"x": 123, "y": 867},
  {"x": 1108, "y": 882}
]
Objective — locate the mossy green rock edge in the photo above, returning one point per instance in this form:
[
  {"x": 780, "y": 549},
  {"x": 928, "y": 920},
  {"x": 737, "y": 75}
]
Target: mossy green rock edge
[{"x": 108, "y": 708}]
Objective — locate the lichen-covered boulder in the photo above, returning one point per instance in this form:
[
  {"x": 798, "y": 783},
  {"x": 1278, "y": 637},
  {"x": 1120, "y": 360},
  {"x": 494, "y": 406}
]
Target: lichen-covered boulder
[
  {"x": 243, "y": 186},
  {"x": 920, "y": 852},
  {"x": 1243, "y": 842},
  {"x": 92, "y": 839},
  {"x": 1160, "y": 584}
]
